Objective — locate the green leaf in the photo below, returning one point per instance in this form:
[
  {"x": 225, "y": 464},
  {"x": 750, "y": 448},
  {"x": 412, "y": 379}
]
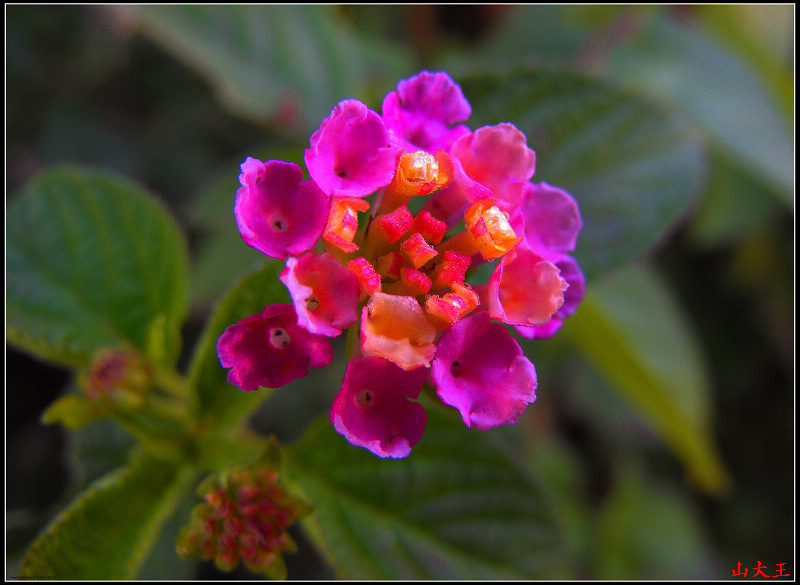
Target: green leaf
[
  {"x": 163, "y": 562},
  {"x": 98, "y": 449},
  {"x": 221, "y": 257},
  {"x": 222, "y": 406},
  {"x": 735, "y": 207},
  {"x": 724, "y": 99},
  {"x": 456, "y": 508},
  {"x": 93, "y": 260},
  {"x": 630, "y": 166},
  {"x": 73, "y": 411},
  {"x": 647, "y": 531},
  {"x": 530, "y": 35},
  {"x": 109, "y": 530},
  {"x": 631, "y": 329},
  {"x": 282, "y": 63}
]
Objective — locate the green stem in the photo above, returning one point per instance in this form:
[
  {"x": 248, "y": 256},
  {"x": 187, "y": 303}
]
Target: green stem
[
  {"x": 352, "y": 345},
  {"x": 168, "y": 408},
  {"x": 173, "y": 383}
]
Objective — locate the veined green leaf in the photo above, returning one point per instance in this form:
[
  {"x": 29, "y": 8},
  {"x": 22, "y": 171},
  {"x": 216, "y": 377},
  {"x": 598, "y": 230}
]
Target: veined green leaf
[
  {"x": 289, "y": 64},
  {"x": 456, "y": 508},
  {"x": 648, "y": 531},
  {"x": 735, "y": 206},
  {"x": 93, "y": 261},
  {"x": 631, "y": 167},
  {"x": 109, "y": 530},
  {"x": 677, "y": 65},
  {"x": 631, "y": 329}
]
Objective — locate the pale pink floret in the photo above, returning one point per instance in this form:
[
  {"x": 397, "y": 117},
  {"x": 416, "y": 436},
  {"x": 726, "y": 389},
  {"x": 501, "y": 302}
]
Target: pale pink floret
[
  {"x": 525, "y": 289},
  {"x": 277, "y": 212},
  {"x": 270, "y": 350},
  {"x": 325, "y": 293},
  {"x": 374, "y": 408},
  {"x": 419, "y": 115},
  {"x": 350, "y": 154},
  {"x": 548, "y": 219},
  {"x": 479, "y": 369},
  {"x": 571, "y": 272},
  {"x": 497, "y": 157}
]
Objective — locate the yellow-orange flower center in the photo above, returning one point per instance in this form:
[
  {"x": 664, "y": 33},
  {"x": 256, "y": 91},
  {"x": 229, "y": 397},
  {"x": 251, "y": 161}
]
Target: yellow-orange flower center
[
  {"x": 396, "y": 328},
  {"x": 490, "y": 229},
  {"x": 343, "y": 222},
  {"x": 418, "y": 173}
]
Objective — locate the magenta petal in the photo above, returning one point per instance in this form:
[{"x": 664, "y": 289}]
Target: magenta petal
[
  {"x": 278, "y": 213},
  {"x": 540, "y": 331},
  {"x": 419, "y": 114},
  {"x": 571, "y": 272},
  {"x": 269, "y": 349},
  {"x": 350, "y": 154},
  {"x": 479, "y": 369},
  {"x": 497, "y": 157},
  {"x": 374, "y": 407},
  {"x": 325, "y": 293},
  {"x": 551, "y": 218}
]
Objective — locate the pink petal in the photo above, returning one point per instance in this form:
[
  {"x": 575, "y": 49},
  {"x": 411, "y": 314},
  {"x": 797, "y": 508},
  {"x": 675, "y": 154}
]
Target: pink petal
[
  {"x": 571, "y": 272},
  {"x": 325, "y": 293},
  {"x": 551, "y": 219},
  {"x": 419, "y": 115},
  {"x": 350, "y": 154},
  {"x": 525, "y": 289},
  {"x": 278, "y": 213},
  {"x": 497, "y": 157},
  {"x": 269, "y": 349},
  {"x": 374, "y": 407},
  {"x": 480, "y": 370}
]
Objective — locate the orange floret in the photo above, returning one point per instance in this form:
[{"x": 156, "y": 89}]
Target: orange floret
[
  {"x": 490, "y": 229},
  {"x": 396, "y": 328},
  {"x": 368, "y": 279},
  {"x": 418, "y": 173},
  {"x": 343, "y": 222},
  {"x": 418, "y": 250}
]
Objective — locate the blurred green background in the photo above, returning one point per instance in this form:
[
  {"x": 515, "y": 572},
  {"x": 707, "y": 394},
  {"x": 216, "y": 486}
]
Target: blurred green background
[{"x": 177, "y": 98}]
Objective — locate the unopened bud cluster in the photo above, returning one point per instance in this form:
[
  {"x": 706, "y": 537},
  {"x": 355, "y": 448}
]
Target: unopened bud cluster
[
  {"x": 118, "y": 379},
  {"x": 244, "y": 518}
]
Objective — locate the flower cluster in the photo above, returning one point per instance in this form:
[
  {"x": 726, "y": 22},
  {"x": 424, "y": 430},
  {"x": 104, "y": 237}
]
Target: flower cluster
[
  {"x": 402, "y": 281},
  {"x": 244, "y": 517}
]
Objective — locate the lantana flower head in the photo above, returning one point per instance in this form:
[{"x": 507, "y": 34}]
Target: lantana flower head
[{"x": 403, "y": 284}]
